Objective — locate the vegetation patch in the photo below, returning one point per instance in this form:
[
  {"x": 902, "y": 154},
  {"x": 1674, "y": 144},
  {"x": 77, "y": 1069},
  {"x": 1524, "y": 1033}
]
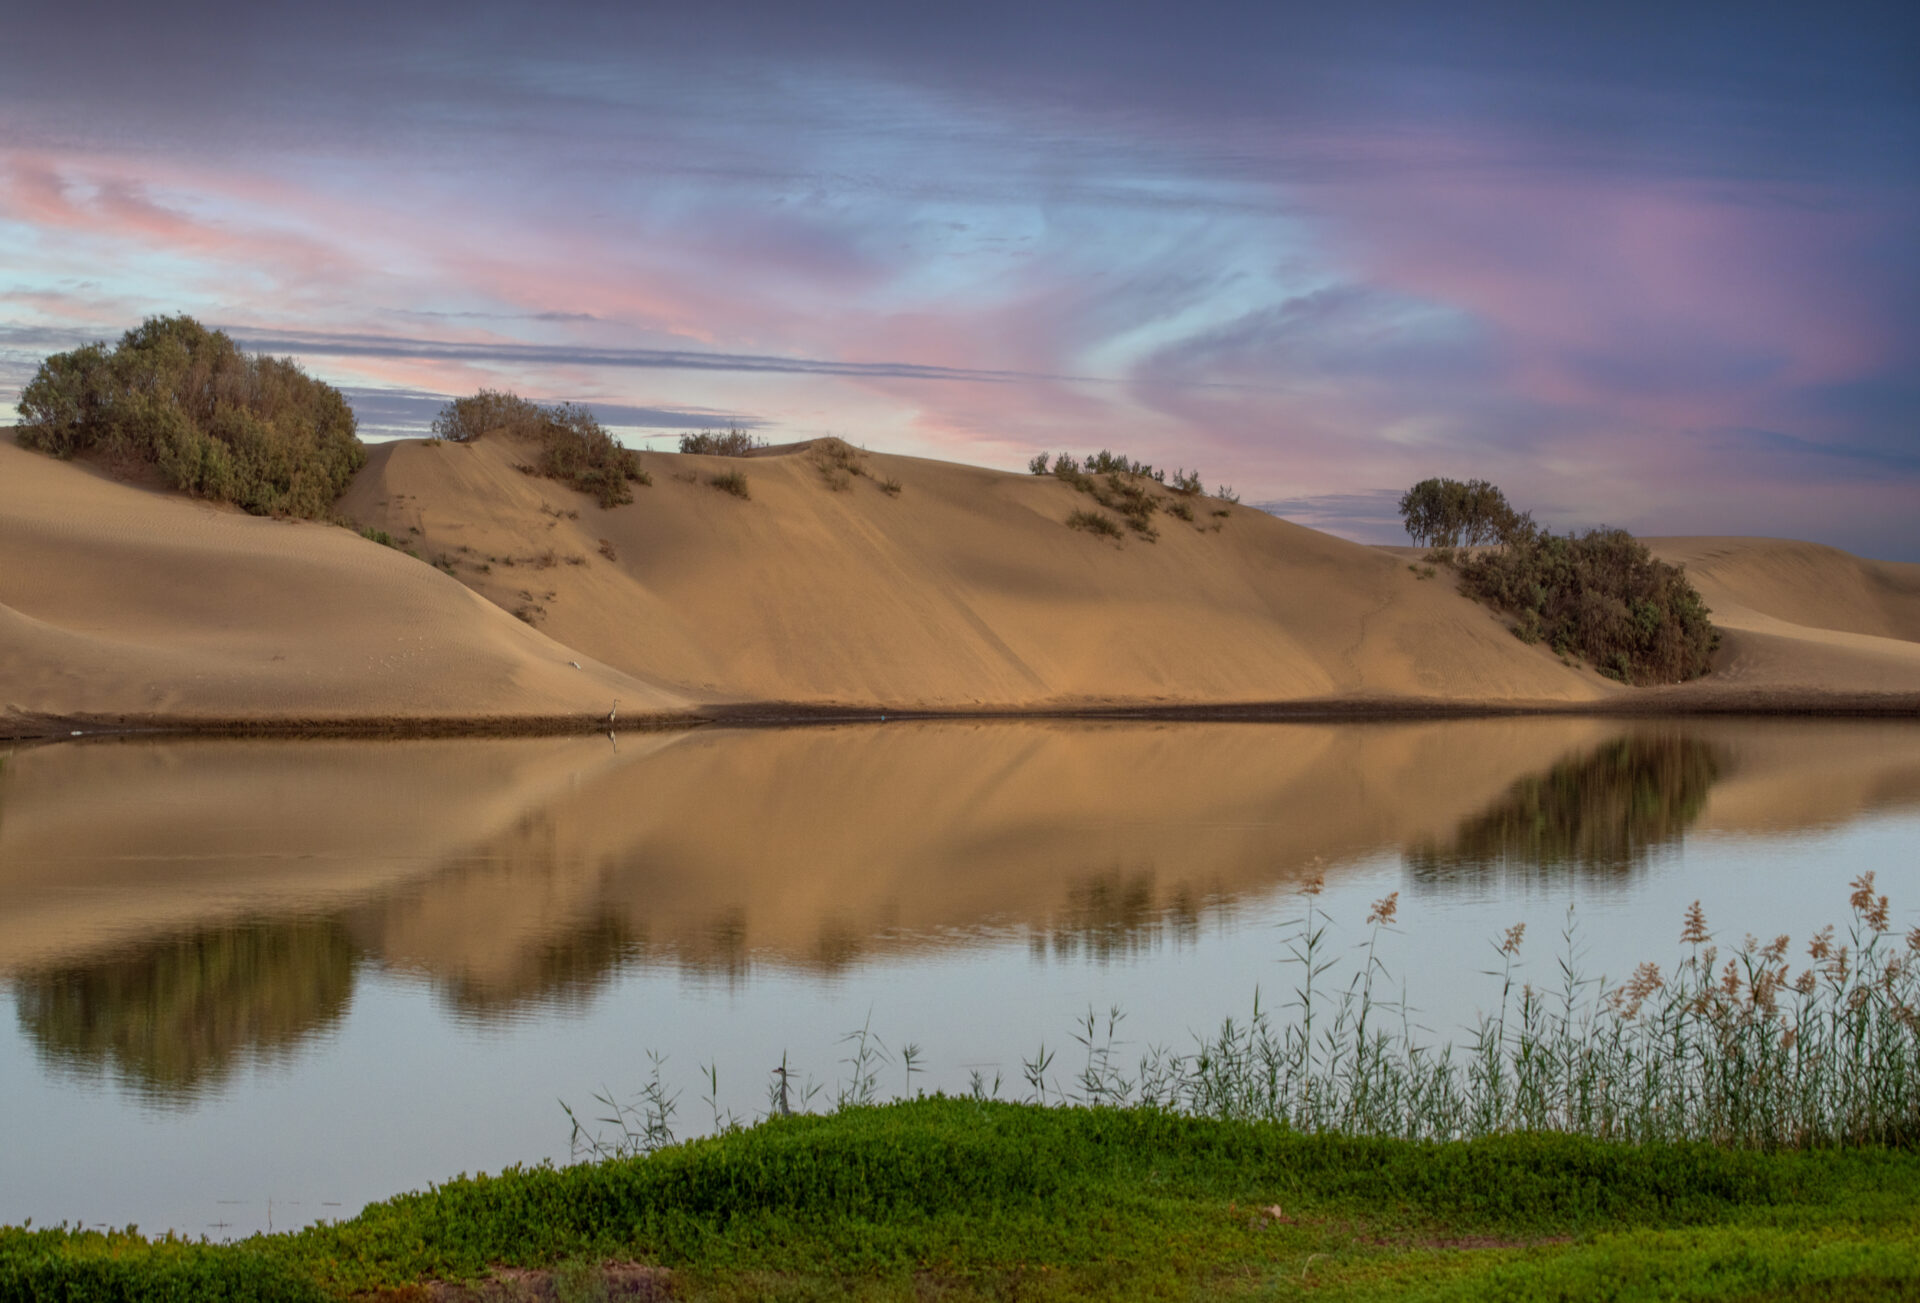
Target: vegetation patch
[
  {"x": 1598, "y": 594},
  {"x": 1094, "y": 522},
  {"x": 1131, "y": 489},
  {"x": 1602, "y": 596},
  {"x": 732, "y": 482},
  {"x": 716, "y": 443},
  {"x": 573, "y": 447},
  {"x": 838, "y": 462},
  {"x": 1445, "y": 513},
  {"x": 966, "y": 1199},
  {"x": 243, "y": 428}
]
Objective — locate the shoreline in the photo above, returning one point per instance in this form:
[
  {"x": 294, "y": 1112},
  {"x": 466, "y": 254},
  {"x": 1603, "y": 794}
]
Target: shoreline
[{"x": 1656, "y": 704}]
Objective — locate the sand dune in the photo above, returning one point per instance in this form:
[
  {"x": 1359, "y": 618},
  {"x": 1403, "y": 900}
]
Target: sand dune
[
  {"x": 965, "y": 590},
  {"x": 1800, "y": 619},
  {"x": 1801, "y": 583},
  {"x": 119, "y": 601}
]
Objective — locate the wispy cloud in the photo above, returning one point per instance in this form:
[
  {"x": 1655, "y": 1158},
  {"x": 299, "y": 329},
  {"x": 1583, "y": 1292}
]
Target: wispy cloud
[
  {"x": 1642, "y": 263},
  {"x": 389, "y": 413},
  {"x": 325, "y": 343}
]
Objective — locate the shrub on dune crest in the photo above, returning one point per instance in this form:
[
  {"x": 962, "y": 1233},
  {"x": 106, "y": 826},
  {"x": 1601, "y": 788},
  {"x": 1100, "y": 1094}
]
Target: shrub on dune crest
[
  {"x": 1133, "y": 490},
  {"x": 575, "y": 448},
  {"x": 716, "y": 443},
  {"x": 249, "y": 429}
]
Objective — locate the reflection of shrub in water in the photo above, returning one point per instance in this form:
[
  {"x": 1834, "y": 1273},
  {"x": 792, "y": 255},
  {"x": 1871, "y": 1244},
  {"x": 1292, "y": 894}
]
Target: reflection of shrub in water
[
  {"x": 1114, "y": 913},
  {"x": 564, "y": 972},
  {"x": 178, "y": 1016},
  {"x": 1602, "y": 812}
]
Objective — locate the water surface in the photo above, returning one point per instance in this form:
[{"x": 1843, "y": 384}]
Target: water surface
[{"x": 264, "y": 982}]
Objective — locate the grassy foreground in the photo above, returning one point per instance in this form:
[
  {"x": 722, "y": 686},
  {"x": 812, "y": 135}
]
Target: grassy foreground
[{"x": 964, "y": 1198}]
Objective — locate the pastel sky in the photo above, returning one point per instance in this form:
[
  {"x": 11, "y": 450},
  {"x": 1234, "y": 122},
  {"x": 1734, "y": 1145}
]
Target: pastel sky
[{"x": 1654, "y": 265}]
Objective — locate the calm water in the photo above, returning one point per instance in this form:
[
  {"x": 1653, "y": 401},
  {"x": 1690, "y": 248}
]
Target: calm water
[{"x": 261, "y": 983}]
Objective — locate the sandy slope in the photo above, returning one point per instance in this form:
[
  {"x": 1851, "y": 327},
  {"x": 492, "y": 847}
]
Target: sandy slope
[
  {"x": 965, "y": 590},
  {"x": 1803, "y": 618},
  {"x": 119, "y": 601}
]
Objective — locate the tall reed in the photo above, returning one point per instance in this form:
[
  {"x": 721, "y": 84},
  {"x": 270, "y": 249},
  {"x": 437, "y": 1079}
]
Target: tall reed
[{"x": 1731, "y": 1047}]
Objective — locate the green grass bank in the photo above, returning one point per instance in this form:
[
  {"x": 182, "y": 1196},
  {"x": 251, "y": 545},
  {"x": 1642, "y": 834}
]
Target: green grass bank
[{"x": 957, "y": 1198}]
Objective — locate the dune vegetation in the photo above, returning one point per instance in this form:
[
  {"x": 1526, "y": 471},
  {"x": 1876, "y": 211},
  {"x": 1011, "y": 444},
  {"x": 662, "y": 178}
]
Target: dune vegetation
[
  {"x": 1127, "y": 487},
  {"x": 721, "y": 443},
  {"x": 571, "y": 444},
  {"x": 1598, "y": 594},
  {"x": 248, "y": 429}
]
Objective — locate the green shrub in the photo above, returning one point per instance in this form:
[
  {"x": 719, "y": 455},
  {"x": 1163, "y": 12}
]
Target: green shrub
[
  {"x": 80, "y": 1266},
  {"x": 1600, "y": 595},
  {"x": 733, "y": 443},
  {"x": 1114, "y": 463},
  {"x": 1129, "y": 498},
  {"x": 253, "y": 430},
  {"x": 1123, "y": 487},
  {"x": 575, "y": 448},
  {"x": 730, "y": 482},
  {"x": 1094, "y": 523}
]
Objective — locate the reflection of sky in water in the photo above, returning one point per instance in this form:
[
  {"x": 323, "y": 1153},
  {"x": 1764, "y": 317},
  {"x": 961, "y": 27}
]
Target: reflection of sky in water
[{"x": 401, "y": 1079}]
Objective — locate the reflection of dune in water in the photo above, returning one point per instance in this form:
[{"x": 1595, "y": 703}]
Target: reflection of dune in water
[
  {"x": 174, "y": 1019},
  {"x": 1600, "y": 813},
  {"x": 158, "y": 902}
]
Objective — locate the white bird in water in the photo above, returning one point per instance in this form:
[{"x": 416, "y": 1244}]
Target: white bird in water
[{"x": 575, "y": 664}]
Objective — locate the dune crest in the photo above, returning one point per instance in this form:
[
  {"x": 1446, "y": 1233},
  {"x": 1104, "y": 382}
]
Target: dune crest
[
  {"x": 907, "y": 584},
  {"x": 965, "y": 590}
]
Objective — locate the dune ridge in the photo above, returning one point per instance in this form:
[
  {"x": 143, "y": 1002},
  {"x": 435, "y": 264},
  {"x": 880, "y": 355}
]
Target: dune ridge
[
  {"x": 964, "y": 591},
  {"x": 124, "y": 605}
]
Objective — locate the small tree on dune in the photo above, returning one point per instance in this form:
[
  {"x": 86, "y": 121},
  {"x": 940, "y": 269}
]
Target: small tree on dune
[{"x": 1452, "y": 513}]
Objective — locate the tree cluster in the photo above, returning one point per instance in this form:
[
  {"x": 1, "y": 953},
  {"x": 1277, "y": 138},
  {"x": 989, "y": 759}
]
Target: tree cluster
[
  {"x": 1449, "y": 513},
  {"x": 248, "y": 429}
]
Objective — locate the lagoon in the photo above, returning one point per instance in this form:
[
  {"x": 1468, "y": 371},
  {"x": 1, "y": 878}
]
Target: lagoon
[{"x": 259, "y": 983}]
